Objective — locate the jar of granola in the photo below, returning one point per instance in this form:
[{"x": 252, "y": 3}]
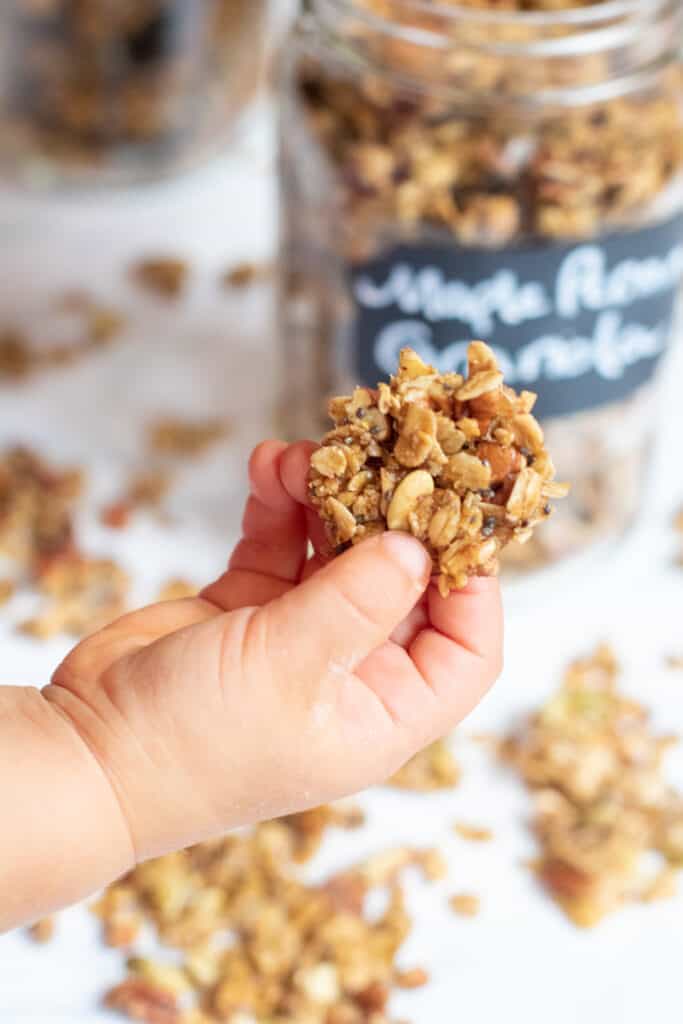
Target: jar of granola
[
  {"x": 118, "y": 90},
  {"x": 511, "y": 172}
]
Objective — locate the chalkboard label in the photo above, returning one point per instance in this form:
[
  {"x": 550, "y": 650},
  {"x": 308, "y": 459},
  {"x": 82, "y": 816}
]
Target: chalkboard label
[{"x": 582, "y": 325}]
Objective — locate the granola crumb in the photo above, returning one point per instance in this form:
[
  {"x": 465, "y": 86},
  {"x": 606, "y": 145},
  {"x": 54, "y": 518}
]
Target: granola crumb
[
  {"x": 144, "y": 490},
  {"x": 17, "y": 358},
  {"x": 184, "y": 438},
  {"x": 141, "y": 1000},
  {"x": 166, "y": 276},
  {"x": 602, "y": 804},
  {"x": 242, "y": 275},
  {"x": 433, "y": 768},
  {"x": 473, "y": 833},
  {"x": 414, "y": 977},
  {"x": 458, "y": 462},
  {"x": 116, "y": 515},
  {"x": 42, "y": 931},
  {"x": 674, "y": 661},
  {"x": 176, "y": 589},
  {"x": 465, "y": 904},
  {"x": 7, "y": 589}
]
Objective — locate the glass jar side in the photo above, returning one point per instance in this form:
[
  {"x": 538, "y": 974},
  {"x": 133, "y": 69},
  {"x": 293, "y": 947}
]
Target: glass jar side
[{"x": 375, "y": 175}]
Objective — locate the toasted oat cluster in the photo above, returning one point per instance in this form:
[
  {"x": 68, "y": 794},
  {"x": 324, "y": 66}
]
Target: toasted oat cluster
[
  {"x": 601, "y": 800},
  {"x": 458, "y": 462},
  {"x": 296, "y": 953}
]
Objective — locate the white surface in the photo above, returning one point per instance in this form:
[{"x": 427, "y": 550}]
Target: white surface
[{"x": 520, "y": 960}]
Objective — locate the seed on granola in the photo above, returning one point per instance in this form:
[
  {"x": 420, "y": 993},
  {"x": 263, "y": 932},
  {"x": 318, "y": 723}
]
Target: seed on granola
[{"x": 448, "y": 466}]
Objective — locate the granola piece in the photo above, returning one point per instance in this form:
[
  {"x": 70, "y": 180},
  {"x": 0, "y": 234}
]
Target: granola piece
[
  {"x": 81, "y": 596},
  {"x": 473, "y": 833},
  {"x": 141, "y": 1000},
  {"x": 184, "y": 438},
  {"x": 242, "y": 275},
  {"x": 177, "y": 589},
  {"x": 144, "y": 490},
  {"x": 164, "y": 275},
  {"x": 459, "y": 463},
  {"x": 601, "y": 800},
  {"x": 7, "y": 588},
  {"x": 42, "y": 931},
  {"x": 414, "y": 977},
  {"x": 433, "y": 768},
  {"x": 465, "y": 904},
  {"x": 17, "y": 358}
]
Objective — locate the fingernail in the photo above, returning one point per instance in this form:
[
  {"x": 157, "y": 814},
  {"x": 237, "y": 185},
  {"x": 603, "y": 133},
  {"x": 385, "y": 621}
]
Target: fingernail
[{"x": 408, "y": 553}]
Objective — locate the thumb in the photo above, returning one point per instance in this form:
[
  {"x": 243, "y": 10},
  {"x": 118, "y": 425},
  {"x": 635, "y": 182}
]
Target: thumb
[{"x": 347, "y": 609}]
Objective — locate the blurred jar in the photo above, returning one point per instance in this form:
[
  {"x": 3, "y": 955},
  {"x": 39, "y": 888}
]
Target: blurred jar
[
  {"x": 512, "y": 175},
  {"x": 112, "y": 91}
]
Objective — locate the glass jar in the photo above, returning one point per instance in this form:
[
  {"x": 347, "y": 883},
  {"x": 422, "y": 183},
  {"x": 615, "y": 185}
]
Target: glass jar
[
  {"x": 459, "y": 170},
  {"x": 120, "y": 90}
]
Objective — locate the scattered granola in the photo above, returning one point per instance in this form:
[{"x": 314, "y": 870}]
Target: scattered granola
[
  {"x": 674, "y": 661},
  {"x": 176, "y": 436},
  {"x": 99, "y": 325},
  {"x": 165, "y": 275},
  {"x": 37, "y": 504},
  {"x": 36, "y": 507},
  {"x": 459, "y": 463},
  {"x": 245, "y": 274},
  {"x": 81, "y": 596},
  {"x": 144, "y": 490},
  {"x": 433, "y": 768},
  {"x": 466, "y": 904},
  {"x": 255, "y": 943},
  {"x": 601, "y": 801},
  {"x": 473, "y": 833}
]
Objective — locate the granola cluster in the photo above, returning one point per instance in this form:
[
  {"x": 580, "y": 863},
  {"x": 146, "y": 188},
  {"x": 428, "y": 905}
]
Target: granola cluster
[
  {"x": 458, "y": 462},
  {"x": 101, "y": 87},
  {"x": 601, "y": 800},
  {"x": 37, "y": 534},
  {"x": 295, "y": 953}
]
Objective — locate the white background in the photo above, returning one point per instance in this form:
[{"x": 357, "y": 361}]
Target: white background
[{"x": 216, "y": 353}]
